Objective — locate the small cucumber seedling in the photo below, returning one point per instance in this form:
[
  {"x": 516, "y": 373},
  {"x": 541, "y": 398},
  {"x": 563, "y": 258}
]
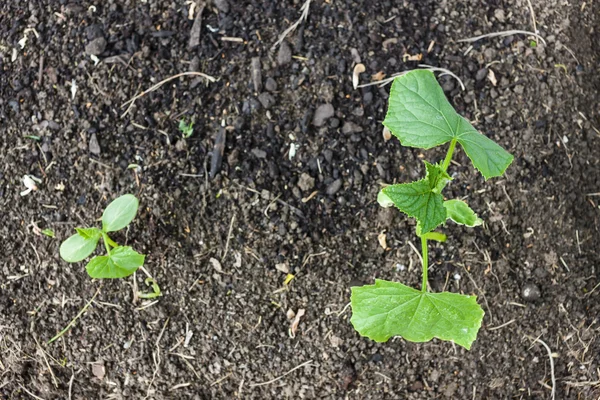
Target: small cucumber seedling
[
  {"x": 119, "y": 261},
  {"x": 186, "y": 129},
  {"x": 420, "y": 116}
]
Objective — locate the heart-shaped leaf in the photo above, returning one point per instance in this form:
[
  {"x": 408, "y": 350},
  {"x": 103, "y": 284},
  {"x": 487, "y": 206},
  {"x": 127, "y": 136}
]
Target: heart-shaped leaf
[
  {"x": 388, "y": 309},
  {"x": 78, "y": 246},
  {"x": 420, "y": 116},
  {"x": 122, "y": 261},
  {"x": 119, "y": 213},
  {"x": 421, "y": 199}
]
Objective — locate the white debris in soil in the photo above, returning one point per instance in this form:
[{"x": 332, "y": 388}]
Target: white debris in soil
[
  {"x": 73, "y": 89},
  {"x": 457, "y": 277},
  {"x": 30, "y": 183},
  {"x": 293, "y": 149},
  {"x": 400, "y": 267}
]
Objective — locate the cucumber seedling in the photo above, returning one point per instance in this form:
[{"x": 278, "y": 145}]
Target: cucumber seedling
[
  {"x": 420, "y": 116},
  {"x": 119, "y": 261}
]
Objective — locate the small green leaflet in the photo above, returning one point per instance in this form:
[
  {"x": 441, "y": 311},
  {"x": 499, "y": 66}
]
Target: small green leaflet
[
  {"x": 78, "y": 247},
  {"x": 88, "y": 233},
  {"x": 48, "y": 232},
  {"x": 459, "y": 212},
  {"x": 421, "y": 199},
  {"x": 420, "y": 116},
  {"x": 119, "y": 213},
  {"x": 388, "y": 309},
  {"x": 122, "y": 261}
]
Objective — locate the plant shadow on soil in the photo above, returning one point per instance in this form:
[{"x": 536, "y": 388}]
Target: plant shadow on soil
[{"x": 259, "y": 216}]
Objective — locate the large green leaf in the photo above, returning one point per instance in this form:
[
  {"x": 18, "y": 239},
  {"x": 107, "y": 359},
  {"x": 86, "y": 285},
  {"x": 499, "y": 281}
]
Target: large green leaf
[
  {"x": 119, "y": 213},
  {"x": 80, "y": 245},
  {"x": 388, "y": 309},
  {"x": 421, "y": 199},
  {"x": 420, "y": 116},
  {"x": 122, "y": 261},
  {"x": 460, "y": 212}
]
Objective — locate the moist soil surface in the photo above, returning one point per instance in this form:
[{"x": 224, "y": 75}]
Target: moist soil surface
[{"x": 294, "y": 192}]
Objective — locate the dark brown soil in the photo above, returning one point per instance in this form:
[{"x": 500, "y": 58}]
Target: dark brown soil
[{"x": 542, "y": 218}]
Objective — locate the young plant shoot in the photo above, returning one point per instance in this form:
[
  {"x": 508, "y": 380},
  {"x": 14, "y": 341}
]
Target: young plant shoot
[
  {"x": 420, "y": 116},
  {"x": 119, "y": 261}
]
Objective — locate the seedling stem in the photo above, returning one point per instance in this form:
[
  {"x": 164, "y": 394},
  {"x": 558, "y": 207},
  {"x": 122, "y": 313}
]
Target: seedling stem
[
  {"x": 449, "y": 155},
  {"x": 425, "y": 263}
]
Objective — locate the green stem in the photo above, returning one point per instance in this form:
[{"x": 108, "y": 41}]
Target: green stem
[
  {"x": 449, "y": 155},
  {"x": 425, "y": 263},
  {"x": 108, "y": 242}
]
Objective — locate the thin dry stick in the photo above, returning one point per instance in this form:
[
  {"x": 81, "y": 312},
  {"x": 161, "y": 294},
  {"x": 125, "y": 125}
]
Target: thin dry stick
[
  {"x": 532, "y": 16},
  {"x": 501, "y": 34},
  {"x": 304, "y": 364},
  {"x": 31, "y": 394},
  {"x": 443, "y": 71},
  {"x": 501, "y": 326},
  {"x": 489, "y": 310},
  {"x": 83, "y": 310},
  {"x": 47, "y": 363},
  {"x": 131, "y": 102},
  {"x": 305, "y": 8},
  {"x": 156, "y": 358},
  {"x": 228, "y": 237},
  {"x": 551, "y": 364}
]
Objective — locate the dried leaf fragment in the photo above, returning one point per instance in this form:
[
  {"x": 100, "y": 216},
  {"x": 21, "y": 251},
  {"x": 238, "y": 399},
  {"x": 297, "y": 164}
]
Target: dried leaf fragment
[
  {"x": 407, "y": 57},
  {"x": 492, "y": 77},
  {"x": 382, "y": 240},
  {"x": 296, "y": 322},
  {"x": 358, "y": 69},
  {"x": 378, "y": 76}
]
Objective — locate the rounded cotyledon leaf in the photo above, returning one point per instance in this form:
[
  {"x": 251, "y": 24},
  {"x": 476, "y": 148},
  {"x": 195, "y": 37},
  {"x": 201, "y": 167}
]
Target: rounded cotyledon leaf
[
  {"x": 79, "y": 246},
  {"x": 420, "y": 115},
  {"x": 388, "y": 309},
  {"x": 122, "y": 262},
  {"x": 119, "y": 213}
]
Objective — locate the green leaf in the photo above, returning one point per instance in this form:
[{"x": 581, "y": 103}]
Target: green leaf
[
  {"x": 78, "y": 247},
  {"x": 421, "y": 199},
  {"x": 49, "y": 232},
  {"x": 119, "y": 213},
  {"x": 419, "y": 115},
  {"x": 438, "y": 178},
  {"x": 122, "y": 261},
  {"x": 460, "y": 212},
  {"x": 388, "y": 309},
  {"x": 88, "y": 233}
]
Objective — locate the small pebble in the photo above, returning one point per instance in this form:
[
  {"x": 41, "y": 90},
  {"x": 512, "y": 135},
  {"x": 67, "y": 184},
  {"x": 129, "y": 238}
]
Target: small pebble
[
  {"x": 271, "y": 85},
  {"x": 531, "y": 292},
  {"x": 334, "y": 187},
  {"x": 96, "y": 46},
  {"x": 284, "y": 56},
  {"x": 323, "y": 113}
]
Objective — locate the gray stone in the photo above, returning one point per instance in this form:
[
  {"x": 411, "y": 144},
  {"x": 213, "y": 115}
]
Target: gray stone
[
  {"x": 306, "y": 182},
  {"x": 531, "y": 292},
  {"x": 481, "y": 74},
  {"x": 322, "y": 114},
  {"x": 351, "y": 127},
  {"x": 284, "y": 56},
  {"x": 222, "y": 5},
  {"x": 334, "y": 187},
  {"x": 256, "y": 74},
  {"x": 259, "y": 153},
  {"x": 271, "y": 85},
  {"x": 93, "y": 145},
  {"x": 266, "y": 99},
  {"x": 96, "y": 46}
]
